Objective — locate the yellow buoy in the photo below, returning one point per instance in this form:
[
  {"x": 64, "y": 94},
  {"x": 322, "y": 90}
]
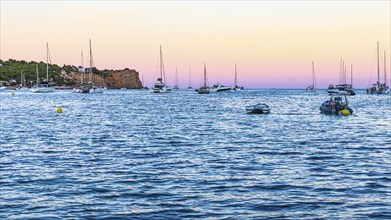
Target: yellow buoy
[
  {"x": 12, "y": 93},
  {"x": 345, "y": 112},
  {"x": 59, "y": 110}
]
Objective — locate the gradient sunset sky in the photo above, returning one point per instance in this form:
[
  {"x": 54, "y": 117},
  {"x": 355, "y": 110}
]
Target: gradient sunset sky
[{"x": 272, "y": 42}]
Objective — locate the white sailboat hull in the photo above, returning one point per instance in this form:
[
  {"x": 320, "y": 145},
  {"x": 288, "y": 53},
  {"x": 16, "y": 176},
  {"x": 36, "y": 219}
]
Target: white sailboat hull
[{"x": 42, "y": 90}]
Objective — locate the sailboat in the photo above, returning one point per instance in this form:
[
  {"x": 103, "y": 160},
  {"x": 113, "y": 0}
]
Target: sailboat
[
  {"x": 342, "y": 87},
  {"x": 190, "y": 87},
  {"x": 312, "y": 88},
  {"x": 176, "y": 86},
  {"x": 82, "y": 87},
  {"x": 160, "y": 85},
  {"x": 22, "y": 86},
  {"x": 93, "y": 88},
  {"x": 379, "y": 88},
  {"x": 142, "y": 82},
  {"x": 204, "y": 89},
  {"x": 236, "y": 87},
  {"x": 44, "y": 86}
]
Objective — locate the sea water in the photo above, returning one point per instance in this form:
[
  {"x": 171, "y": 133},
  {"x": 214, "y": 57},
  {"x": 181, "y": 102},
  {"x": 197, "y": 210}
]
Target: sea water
[{"x": 132, "y": 154}]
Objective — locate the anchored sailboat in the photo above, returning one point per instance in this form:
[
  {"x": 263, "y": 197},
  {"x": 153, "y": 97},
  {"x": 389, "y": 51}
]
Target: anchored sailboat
[
  {"x": 160, "y": 85},
  {"x": 190, "y": 87},
  {"x": 82, "y": 87},
  {"x": 312, "y": 87},
  {"x": 204, "y": 89},
  {"x": 93, "y": 88},
  {"x": 379, "y": 88},
  {"x": 176, "y": 86},
  {"x": 236, "y": 87},
  {"x": 342, "y": 87},
  {"x": 44, "y": 86}
]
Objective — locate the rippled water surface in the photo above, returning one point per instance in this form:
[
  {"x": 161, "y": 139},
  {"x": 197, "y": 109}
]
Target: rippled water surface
[{"x": 136, "y": 155}]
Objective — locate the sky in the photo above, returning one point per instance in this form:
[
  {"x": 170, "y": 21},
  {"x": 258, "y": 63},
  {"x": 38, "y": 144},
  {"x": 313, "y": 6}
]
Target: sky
[{"x": 272, "y": 42}]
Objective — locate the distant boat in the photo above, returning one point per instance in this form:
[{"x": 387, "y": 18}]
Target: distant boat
[
  {"x": 176, "y": 86},
  {"x": 124, "y": 86},
  {"x": 22, "y": 86},
  {"x": 160, "y": 85},
  {"x": 312, "y": 87},
  {"x": 204, "y": 89},
  {"x": 219, "y": 88},
  {"x": 142, "y": 82},
  {"x": 82, "y": 87},
  {"x": 93, "y": 88},
  {"x": 190, "y": 87},
  {"x": 379, "y": 88},
  {"x": 342, "y": 87},
  {"x": 236, "y": 87},
  {"x": 2, "y": 88},
  {"x": 44, "y": 86}
]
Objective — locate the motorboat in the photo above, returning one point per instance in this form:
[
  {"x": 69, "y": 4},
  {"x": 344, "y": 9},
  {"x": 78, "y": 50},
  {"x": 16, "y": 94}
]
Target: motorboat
[
  {"x": 337, "y": 104},
  {"x": 219, "y": 88},
  {"x": 345, "y": 89},
  {"x": 258, "y": 109}
]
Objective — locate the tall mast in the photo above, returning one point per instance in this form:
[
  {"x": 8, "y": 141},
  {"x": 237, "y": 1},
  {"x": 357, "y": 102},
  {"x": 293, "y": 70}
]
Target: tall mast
[
  {"x": 344, "y": 78},
  {"x": 378, "y": 65},
  {"x": 162, "y": 75},
  {"x": 340, "y": 71},
  {"x": 236, "y": 77},
  {"x": 385, "y": 74},
  {"x": 47, "y": 63},
  {"x": 204, "y": 75},
  {"x": 81, "y": 68},
  {"x": 351, "y": 75},
  {"x": 91, "y": 62}
]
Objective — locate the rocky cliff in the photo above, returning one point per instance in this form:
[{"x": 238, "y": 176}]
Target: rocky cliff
[{"x": 115, "y": 79}]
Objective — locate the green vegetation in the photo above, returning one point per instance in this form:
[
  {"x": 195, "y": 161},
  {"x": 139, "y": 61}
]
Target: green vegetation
[{"x": 10, "y": 70}]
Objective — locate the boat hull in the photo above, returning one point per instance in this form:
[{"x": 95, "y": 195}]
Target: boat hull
[{"x": 42, "y": 90}]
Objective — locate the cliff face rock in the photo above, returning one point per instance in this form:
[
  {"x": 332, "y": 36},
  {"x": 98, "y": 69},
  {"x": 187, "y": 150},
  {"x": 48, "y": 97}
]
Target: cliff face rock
[{"x": 113, "y": 79}]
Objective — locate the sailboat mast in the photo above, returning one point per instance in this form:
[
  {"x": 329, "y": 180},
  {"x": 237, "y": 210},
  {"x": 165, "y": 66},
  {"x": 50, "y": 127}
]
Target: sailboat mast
[
  {"x": 90, "y": 62},
  {"x": 47, "y": 63},
  {"x": 176, "y": 77},
  {"x": 81, "y": 68},
  {"x": 378, "y": 64},
  {"x": 385, "y": 74},
  {"x": 204, "y": 75},
  {"x": 161, "y": 64},
  {"x": 189, "y": 76}
]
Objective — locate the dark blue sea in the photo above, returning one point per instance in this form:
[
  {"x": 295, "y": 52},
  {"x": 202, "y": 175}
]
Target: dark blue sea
[{"x": 132, "y": 154}]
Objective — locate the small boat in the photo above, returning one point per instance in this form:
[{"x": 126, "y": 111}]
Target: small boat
[
  {"x": 82, "y": 87},
  {"x": 160, "y": 86},
  {"x": 44, "y": 86},
  {"x": 378, "y": 87},
  {"x": 312, "y": 87},
  {"x": 176, "y": 86},
  {"x": 204, "y": 89},
  {"x": 336, "y": 105},
  {"x": 258, "y": 109},
  {"x": 219, "y": 88},
  {"x": 2, "y": 88}
]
